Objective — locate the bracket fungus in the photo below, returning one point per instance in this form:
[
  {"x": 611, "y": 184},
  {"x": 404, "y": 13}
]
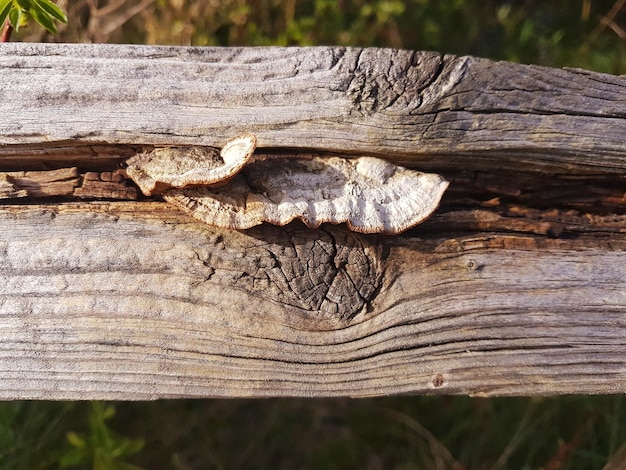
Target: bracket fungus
[
  {"x": 180, "y": 167},
  {"x": 231, "y": 190}
]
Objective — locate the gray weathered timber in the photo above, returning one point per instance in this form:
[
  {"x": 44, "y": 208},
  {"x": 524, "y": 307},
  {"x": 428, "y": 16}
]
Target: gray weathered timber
[
  {"x": 417, "y": 108},
  {"x": 516, "y": 286},
  {"x": 137, "y": 301}
]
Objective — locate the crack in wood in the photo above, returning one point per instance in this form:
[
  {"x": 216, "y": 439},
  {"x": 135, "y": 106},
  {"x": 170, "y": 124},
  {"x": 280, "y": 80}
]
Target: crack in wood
[{"x": 65, "y": 182}]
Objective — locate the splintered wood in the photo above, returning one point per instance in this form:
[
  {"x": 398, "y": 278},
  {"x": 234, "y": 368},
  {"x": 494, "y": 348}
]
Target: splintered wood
[
  {"x": 369, "y": 194},
  {"x": 17, "y": 184},
  {"x": 65, "y": 182}
]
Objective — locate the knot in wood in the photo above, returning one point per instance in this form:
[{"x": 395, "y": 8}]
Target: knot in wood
[
  {"x": 328, "y": 274},
  {"x": 390, "y": 81}
]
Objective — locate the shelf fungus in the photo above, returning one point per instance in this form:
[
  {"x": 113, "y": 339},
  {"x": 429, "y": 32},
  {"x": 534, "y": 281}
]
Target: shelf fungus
[
  {"x": 233, "y": 190},
  {"x": 180, "y": 167}
]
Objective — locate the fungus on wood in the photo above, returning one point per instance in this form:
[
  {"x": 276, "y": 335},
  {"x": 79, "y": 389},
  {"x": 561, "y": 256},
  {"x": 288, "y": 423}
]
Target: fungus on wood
[
  {"x": 367, "y": 193},
  {"x": 515, "y": 285}
]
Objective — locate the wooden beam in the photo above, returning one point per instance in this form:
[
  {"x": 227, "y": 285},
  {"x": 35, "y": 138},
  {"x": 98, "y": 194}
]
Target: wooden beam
[
  {"x": 417, "y": 108},
  {"x": 516, "y": 286},
  {"x": 132, "y": 301}
]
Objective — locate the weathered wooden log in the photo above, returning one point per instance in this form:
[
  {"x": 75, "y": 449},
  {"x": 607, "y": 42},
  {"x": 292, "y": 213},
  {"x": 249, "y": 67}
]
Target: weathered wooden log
[
  {"x": 413, "y": 107},
  {"x": 517, "y": 286},
  {"x": 128, "y": 300}
]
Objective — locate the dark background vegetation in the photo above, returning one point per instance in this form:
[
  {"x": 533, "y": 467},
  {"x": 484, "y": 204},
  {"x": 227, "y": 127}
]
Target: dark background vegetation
[
  {"x": 384, "y": 433},
  {"x": 574, "y": 33}
]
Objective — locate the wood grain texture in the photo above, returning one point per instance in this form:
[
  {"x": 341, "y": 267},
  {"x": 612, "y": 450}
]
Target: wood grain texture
[
  {"x": 413, "y": 107},
  {"x": 137, "y": 301},
  {"x": 516, "y": 286}
]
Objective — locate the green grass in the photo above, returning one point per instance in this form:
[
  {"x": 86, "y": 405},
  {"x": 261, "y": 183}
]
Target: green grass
[{"x": 384, "y": 433}]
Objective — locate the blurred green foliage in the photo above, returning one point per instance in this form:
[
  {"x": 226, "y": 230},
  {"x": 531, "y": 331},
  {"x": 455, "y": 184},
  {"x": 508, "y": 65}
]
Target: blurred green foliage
[
  {"x": 47, "y": 435},
  {"x": 562, "y": 433},
  {"x": 579, "y": 33},
  {"x": 100, "y": 448},
  {"x": 18, "y": 12}
]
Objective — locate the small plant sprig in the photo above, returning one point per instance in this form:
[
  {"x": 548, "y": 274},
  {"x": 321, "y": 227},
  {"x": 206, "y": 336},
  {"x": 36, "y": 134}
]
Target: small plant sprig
[
  {"x": 15, "y": 13},
  {"x": 101, "y": 448}
]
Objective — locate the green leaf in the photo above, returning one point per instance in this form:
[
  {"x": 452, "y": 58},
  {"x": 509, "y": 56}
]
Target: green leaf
[
  {"x": 17, "y": 18},
  {"x": 43, "y": 12},
  {"x": 126, "y": 446},
  {"x": 23, "y": 4},
  {"x": 101, "y": 447},
  {"x": 41, "y": 17},
  {"x": 4, "y": 4},
  {"x": 76, "y": 440},
  {"x": 5, "y": 8},
  {"x": 73, "y": 458},
  {"x": 52, "y": 10},
  {"x": 107, "y": 411}
]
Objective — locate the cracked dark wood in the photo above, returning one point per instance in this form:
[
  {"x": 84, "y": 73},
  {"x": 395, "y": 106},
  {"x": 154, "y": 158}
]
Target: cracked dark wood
[{"x": 516, "y": 286}]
